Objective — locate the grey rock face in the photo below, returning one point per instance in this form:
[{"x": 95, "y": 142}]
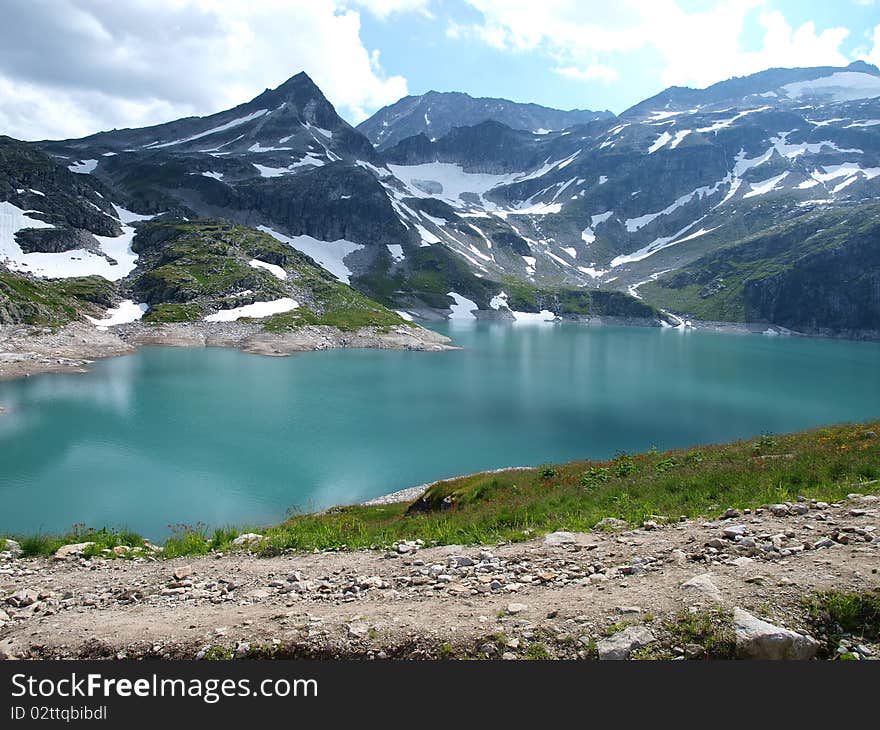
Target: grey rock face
[{"x": 436, "y": 113}]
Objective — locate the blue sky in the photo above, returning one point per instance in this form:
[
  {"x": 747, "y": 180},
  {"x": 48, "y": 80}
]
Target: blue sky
[
  {"x": 75, "y": 67},
  {"x": 433, "y": 46}
]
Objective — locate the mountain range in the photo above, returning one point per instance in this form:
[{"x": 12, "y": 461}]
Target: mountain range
[{"x": 750, "y": 200}]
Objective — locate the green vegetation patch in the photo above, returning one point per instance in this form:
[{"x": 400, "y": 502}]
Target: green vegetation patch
[
  {"x": 193, "y": 267},
  {"x": 810, "y": 270},
  {"x": 524, "y": 297},
  {"x": 45, "y": 545},
  {"x": 51, "y": 303},
  {"x": 836, "y": 615}
]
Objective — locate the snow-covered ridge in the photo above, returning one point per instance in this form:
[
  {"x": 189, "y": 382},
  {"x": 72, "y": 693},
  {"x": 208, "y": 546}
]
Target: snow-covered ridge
[
  {"x": 207, "y": 133},
  {"x": 839, "y": 86}
]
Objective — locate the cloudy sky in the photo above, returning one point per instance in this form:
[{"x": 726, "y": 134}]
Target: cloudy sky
[{"x": 72, "y": 67}]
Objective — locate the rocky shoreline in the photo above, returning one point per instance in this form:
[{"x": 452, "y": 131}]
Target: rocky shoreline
[
  {"x": 613, "y": 593},
  {"x": 26, "y": 351}
]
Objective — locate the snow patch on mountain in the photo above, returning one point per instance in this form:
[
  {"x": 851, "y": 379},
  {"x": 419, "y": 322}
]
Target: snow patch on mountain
[
  {"x": 126, "y": 311},
  {"x": 463, "y": 308},
  {"x": 277, "y": 271},
  {"x": 329, "y": 254},
  {"x": 765, "y": 186},
  {"x": 257, "y": 310},
  {"x": 214, "y": 130},
  {"x": 839, "y": 86},
  {"x": 83, "y": 167}
]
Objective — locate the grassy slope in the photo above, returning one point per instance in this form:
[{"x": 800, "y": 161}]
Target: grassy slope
[
  {"x": 194, "y": 267},
  {"x": 715, "y": 286},
  {"x": 525, "y": 297},
  {"x": 52, "y": 303},
  {"x": 825, "y": 463}
]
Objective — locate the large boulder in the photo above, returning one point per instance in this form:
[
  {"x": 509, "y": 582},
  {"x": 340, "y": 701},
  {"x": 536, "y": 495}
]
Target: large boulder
[
  {"x": 560, "y": 538},
  {"x": 622, "y": 644},
  {"x": 72, "y": 551},
  {"x": 702, "y": 584},
  {"x": 757, "y": 639},
  {"x": 11, "y": 546}
]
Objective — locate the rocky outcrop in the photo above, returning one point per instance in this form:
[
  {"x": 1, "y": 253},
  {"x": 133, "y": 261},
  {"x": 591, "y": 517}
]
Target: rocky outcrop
[
  {"x": 56, "y": 240},
  {"x": 437, "y": 113}
]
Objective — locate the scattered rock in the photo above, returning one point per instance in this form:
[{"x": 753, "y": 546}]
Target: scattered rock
[
  {"x": 459, "y": 561},
  {"x": 514, "y": 608},
  {"x": 624, "y": 643},
  {"x": 735, "y": 531},
  {"x": 182, "y": 572},
  {"x": 757, "y": 639},
  {"x": 8, "y": 650},
  {"x": 742, "y": 562},
  {"x": 23, "y": 598}
]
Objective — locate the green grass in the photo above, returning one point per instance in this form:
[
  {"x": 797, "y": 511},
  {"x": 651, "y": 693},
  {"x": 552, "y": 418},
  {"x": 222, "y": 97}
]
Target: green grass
[
  {"x": 195, "y": 267},
  {"x": 805, "y": 258},
  {"x": 170, "y": 312},
  {"x": 834, "y": 614},
  {"x": 712, "y": 630},
  {"x": 825, "y": 463},
  {"x": 42, "y": 544},
  {"x": 51, "y": 303}
]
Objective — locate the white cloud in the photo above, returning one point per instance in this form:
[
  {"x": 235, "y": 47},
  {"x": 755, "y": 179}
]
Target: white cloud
[
  {"x": 73, "y": 67},
  {"x": 384, "y": 8},
  {"x": 593, "y": 72},
  {"x": 695, "y": 48},
  {"x": 873, "y": 55}
]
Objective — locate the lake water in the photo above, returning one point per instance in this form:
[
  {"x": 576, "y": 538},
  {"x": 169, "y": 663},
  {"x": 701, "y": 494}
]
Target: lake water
[{"x": 172, "y": 435}]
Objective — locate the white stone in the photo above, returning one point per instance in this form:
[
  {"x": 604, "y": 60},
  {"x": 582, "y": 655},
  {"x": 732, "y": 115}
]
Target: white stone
[
  {"x": 247, "y": 539},
  {"x": 559, "y": 538},
  {"x": 72, "y": 550},
  {"x": 624, "y": 643},
  {"x": 703, "y": 584},
  {"x": 757, "y": 639}
]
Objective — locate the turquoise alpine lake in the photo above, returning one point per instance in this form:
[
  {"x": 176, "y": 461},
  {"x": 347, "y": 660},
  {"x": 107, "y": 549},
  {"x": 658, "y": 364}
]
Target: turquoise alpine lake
[{"x": 172, "y": 436}]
